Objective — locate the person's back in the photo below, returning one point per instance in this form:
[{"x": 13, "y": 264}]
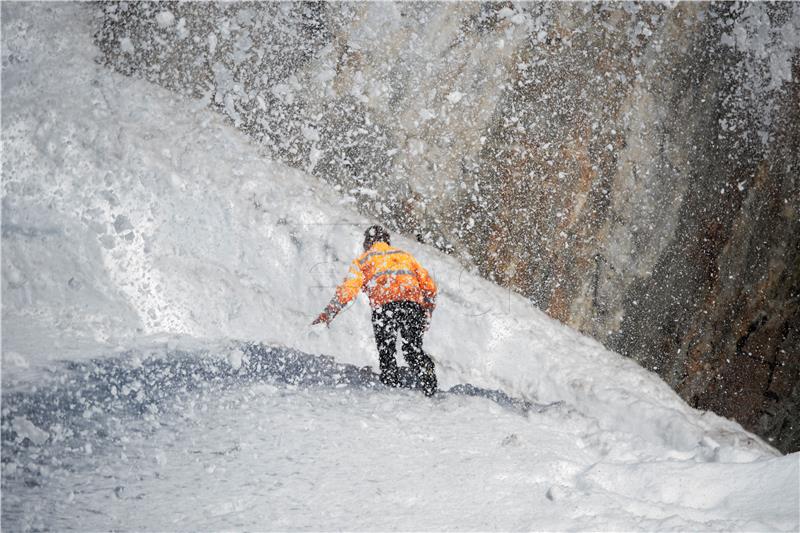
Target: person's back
[{"x": 402, "y": 296}]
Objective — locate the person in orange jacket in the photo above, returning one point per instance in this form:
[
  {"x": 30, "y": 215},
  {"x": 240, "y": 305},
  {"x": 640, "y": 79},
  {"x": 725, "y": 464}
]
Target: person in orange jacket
[{"x": 402, "y": 296}]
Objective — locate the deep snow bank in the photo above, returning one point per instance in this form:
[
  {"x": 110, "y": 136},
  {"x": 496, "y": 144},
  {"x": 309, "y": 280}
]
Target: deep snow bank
[{"x": 134, "y": 219}]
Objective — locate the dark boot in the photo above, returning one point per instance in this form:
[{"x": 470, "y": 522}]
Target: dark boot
[{"x": 427, "y": 376}]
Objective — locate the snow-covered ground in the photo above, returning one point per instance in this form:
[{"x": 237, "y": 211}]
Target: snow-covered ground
[{"x": 138, "y": 226}]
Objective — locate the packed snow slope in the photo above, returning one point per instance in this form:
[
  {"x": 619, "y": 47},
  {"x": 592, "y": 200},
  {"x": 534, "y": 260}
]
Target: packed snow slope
[{"x": 137, "y": 225}]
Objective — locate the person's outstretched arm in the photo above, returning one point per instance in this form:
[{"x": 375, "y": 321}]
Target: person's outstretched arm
[{"x": 345, "y": 293}]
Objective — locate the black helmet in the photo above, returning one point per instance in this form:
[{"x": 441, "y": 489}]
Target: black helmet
[{"x": 375, "y": 234}]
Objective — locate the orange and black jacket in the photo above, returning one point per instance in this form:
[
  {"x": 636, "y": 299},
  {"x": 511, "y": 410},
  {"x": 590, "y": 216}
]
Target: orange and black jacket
[{"x": 386, "y": 274}]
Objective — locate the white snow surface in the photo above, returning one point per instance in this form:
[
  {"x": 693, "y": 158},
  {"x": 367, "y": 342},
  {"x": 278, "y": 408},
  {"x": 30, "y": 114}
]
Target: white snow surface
[{"x": 135, "y": 221}]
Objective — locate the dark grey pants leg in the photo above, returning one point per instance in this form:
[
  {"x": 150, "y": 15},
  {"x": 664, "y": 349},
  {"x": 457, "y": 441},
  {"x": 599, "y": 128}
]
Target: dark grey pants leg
[
  {"x": 384, "y": 324},
  {"x": 412, "y": 328}
]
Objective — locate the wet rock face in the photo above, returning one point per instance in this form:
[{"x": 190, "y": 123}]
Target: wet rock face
[{"x": 632, "y": 169}]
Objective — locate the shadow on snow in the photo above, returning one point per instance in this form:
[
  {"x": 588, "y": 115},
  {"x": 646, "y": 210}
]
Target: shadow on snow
[{"x": 84, "y": 398}]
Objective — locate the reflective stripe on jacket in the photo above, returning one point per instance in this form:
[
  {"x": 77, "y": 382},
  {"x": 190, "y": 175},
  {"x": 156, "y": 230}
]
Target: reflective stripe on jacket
[{"x": 387, "y": 274}]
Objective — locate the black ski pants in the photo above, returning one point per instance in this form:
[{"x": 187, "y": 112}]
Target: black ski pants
[{"x": 409, "y": 320}]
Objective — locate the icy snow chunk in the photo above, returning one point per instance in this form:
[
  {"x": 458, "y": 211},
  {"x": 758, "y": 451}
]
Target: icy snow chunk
[
  {"x": 107, "y": 241},
  {"x": 511, "y": 439},
  {"x": 9, "y": 469},
  {"x": 11, "y": 358},
  {"x": 314, "y": 155},
  {"x": 165, "y": 19},
  {"x": 230, "y": 109},
  {"x": 235, "y": 358},
  {"x": 557, "y": 492},
  {"x": 122, "y": 224},
  {"x": 13, "y": 276},
  {"x": 24, "y": 428}
]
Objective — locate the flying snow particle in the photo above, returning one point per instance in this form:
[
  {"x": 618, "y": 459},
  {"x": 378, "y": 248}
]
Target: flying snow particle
[
  {"x": 506, "y": 13},
  {"x": 309, "y": 133},
  {"x": 416, "y": 147},
  {"x": 160, "y": 457},
  {"x": 126, "y": 45},
  {"x": 314, "y": 155},
  {"x": 426, "y": 115},
  {"x": 176, "y": 181},
  {"x": 455, "y": 97},
  {"x": 165, "y": 19},
  {"x": 181, "y": 29}
]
